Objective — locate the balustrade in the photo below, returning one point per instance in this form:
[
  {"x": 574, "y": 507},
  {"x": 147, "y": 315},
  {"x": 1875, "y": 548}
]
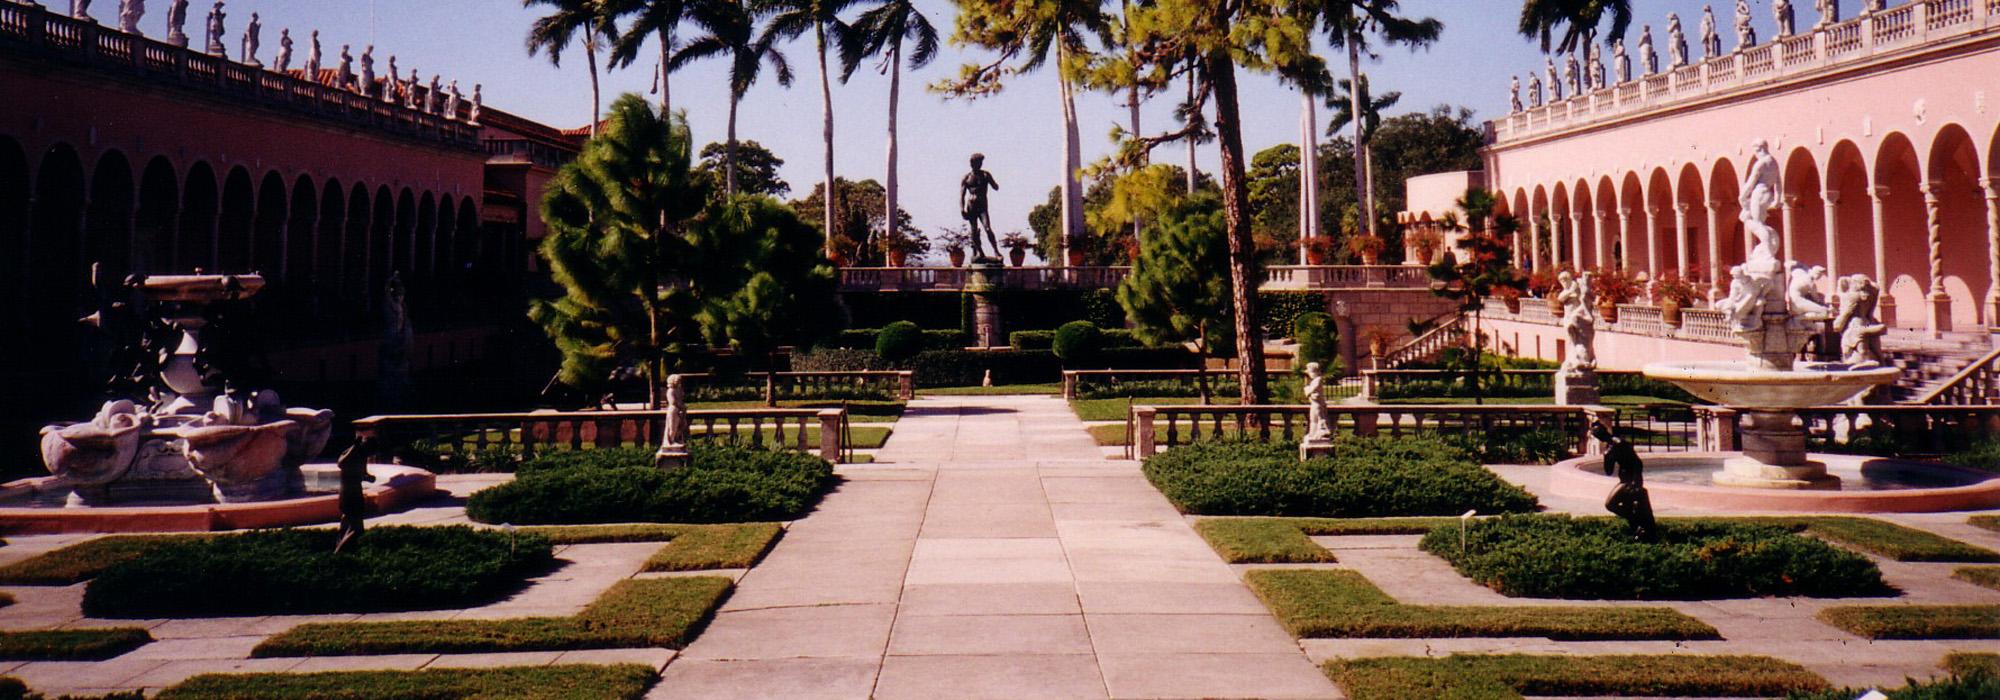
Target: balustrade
[
  {"x": 420, "y": 437},
  {"x": 1159, "y": 427}
]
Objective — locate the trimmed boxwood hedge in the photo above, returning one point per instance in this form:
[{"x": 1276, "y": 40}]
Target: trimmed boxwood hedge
[
  {"x": 297, "y": 571},
  {"x": 1366, "y": 477},
  {"x": 1556, "y": 556},
  {"x": 722, "y": 483}
]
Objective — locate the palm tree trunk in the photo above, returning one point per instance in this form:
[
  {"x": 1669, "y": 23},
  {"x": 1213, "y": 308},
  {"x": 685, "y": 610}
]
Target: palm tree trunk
[
  {"x": 1191, "y": 178},
  {"x": 1236, "y": 215},
  {"x": 1132, "y": 107},
  {"x": 889, "y": 204},
  {"x": 1072, "y": 191},
  {"x": 590, "y": 55},
  {"x": 729, "y": 151},
  {"x": 666, "y": 84},
  {"x": 1308, "y": 175},
  {"x": 1363, "y": 191},
  {"x": 828, "y": 205}
]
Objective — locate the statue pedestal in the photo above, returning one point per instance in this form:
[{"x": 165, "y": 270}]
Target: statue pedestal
[
  {"x": 984, "y": 278},
  {"x": 177, "y": 38},
  {"x": 670, "y": 457},
  {"x": 1315, "y": 447},
  {"x": 1774, "y": 456},
  {"x": 1577, "y": 387}
]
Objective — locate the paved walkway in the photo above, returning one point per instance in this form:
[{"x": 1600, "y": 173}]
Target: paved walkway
[{"x": 992, "y": 552}]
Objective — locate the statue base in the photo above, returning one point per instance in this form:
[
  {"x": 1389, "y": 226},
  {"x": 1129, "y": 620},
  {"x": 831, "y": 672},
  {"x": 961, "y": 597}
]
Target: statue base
[
  {"x": 178, "y": 39},
  {"x": 670, "y": 457},
  {"x": 1310, "y": 448},
  {"x": 1577, "y": 387}
]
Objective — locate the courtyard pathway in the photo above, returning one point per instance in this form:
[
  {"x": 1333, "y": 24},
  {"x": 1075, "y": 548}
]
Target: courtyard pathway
[{"x": 992, "y": 552}]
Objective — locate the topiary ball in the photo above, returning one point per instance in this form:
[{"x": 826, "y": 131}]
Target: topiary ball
[
  {"x": 1077, "y": 341},
  {"x": 899, "y": 341}
]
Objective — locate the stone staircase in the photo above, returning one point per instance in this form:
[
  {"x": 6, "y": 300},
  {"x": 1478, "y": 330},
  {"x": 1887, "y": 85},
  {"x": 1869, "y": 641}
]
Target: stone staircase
[{"x": 1928, "y": 363}]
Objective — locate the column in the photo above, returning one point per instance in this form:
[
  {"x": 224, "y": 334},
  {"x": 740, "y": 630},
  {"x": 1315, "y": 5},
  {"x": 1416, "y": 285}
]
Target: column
[
  {"x": 1832, "y": 234},
  {"x": 1791, "y": 222},
  {"x": 1625, "y": 239},
  {"x": 1653, "y": 242},
  {"x": 1534, "y": 239},
  {"x": 1715, "y": 267},
  {"x": 1991, "y": 187},
  {"x": 1604, "y": 257},
  {"x": 1576, "y": 240},
  {"x": 1880, "y": 194},
  {"x": 1939, "y": 306},
  {"x": 1680, "y": 241}
]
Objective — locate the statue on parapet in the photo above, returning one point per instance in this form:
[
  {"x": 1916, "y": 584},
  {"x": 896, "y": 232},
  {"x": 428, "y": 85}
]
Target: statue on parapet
[
  {"x": 1860, "y": 332},
  {"x": 1746, "y": 33},
  {"x": 1554, "y": 79},
  {"x": 177, "y": 15},
  {"x": 410, "y": 90},
  {"x": 391, "y": 82},
  {"x": 253, "y": 39},
  {"x": 80, "y": 9},
  {"x": 312, "y": 57},
  {"x": 1829, "y": 12},
  {"x": 129, "y": 14},
  {"x": 1711, "y": 42},
  {"x": 343, "y": 73},
  {"x": 1534, "y": 90},
  {"x": 973, "y": 206},
  {"x": 1677, "y": 41},
  {"x": 215, "y": 30},
  {"x": 283, "y": 62},
  {"x": 1514, "y": 95},
  {"x": 478, "y": 103},
  {"x": 1621, "y": 64},
  {"x": 1649, "y": 58},
  {"x": 452, "y": 97},
  {"x": 1785, "y": 17},
  {"x": 368, "y": 71},
  {"x": 433, "y": 96}
]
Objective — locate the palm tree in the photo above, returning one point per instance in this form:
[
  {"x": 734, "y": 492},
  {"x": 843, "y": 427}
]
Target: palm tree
[
  {"x": 791, "y": 19},
  {"x": 732, "y": 34},
  {"x": 1343, "y": 103},
  {"x": 567, "y": 21},
  {"x": 660, "y": 18},
  {"x": 1577, "y": 20},
  {"x": 1348, "y": 24},
  {"x": 882, "y": 31}
]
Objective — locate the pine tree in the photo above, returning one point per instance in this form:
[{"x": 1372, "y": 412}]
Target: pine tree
[
  {"x": 1485, "y": 271},
  {"x": 1173, "y": 295}
]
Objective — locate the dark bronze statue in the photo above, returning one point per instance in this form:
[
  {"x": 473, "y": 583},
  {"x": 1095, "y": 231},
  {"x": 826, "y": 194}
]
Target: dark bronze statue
[
  {"x": 1629, "y": 501},
  {"x": 353, "y": 502},
  {"x": 972, "y": 205}
]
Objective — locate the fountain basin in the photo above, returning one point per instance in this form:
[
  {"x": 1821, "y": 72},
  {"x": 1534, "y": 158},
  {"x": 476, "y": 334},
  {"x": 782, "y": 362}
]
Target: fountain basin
[
  {"x": 1864, "y": 485},
  {"x": 25, "y": 509},
  {"x": 1738, "y": 385}
]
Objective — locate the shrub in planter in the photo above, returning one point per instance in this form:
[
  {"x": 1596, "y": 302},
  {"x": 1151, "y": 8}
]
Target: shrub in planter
[
  {"x": 898, "y": 341},
  {"x": 722, "y": 483},
  {"x": 1366, "y": 477},
  {"x": 296, "y": 571},
  {"x": 1077, "y": 341},
  {"x": 1031, "y": 340},
  {"x": 1556, "y": 556}
]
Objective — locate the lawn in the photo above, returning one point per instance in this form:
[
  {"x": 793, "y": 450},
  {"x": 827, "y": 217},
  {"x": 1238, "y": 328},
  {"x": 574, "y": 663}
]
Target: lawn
[
  {"x": 91, "y": 644},
  {"x": 1259, "y": 540},
  {"x": 1916, "y": 621},
  {"x": 83, "y": 560},
  {"x": 652, "y": 612},
  {"x": 868, "y": 411},
  {"x": 1988, "y": 576},
  {"x": 1333, "y": 603},
  {"x": 1879, "y": 537},
  {"x": 570, "y": 682},
  {"x": 1509, "y": 677},
  {"x": 689, "y": 547},
  {"x": 996, "y": 390},
  {"x": 1990, "y": 522}
]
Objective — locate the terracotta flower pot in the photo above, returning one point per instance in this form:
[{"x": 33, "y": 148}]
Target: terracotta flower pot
[
  {"x": 1017, "y": 256},
  {"x": 957, "y": 257},
  {"x": 1555, "y": 305},
  {"x": 1670, "y": 312},
  {"x": 1608, "y": 311},
  {"x": 897, "y": 258},
  {"x": 1315, "y": 256},
  {"x": 1513, "y": 304}
]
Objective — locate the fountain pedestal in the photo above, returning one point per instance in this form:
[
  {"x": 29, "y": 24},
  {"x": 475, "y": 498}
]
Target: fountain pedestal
[{"x": 1774, "y": 455}]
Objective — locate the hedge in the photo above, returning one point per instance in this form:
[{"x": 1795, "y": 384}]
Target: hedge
[
  {"x": 296, "y": 571},
  {"x": 566, "y": 682},
  {"x": 864, "y": 339},
  {"x": 1046, "y": 340},
  {"x": 1366, "y": 477},
  {"x": 1556, "y": 556},
  {"x": 898, "y": 340},
  {"x": 1341, "y": 603},
  {"x": 1020, "y": 309},
  {"x": 1077, "y": 342},
  {"x": 1509, "y": 677},
  {"x": 722, "y": 483}
]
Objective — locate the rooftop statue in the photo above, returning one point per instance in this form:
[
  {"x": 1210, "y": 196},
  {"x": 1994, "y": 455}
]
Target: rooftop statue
[
  {"x": 1677, "y": 42},
  {"x": 215, "y": 30},
  {"x": 80, "y": 9},
  {"x": 451, "y": 100},
  {"x": 477, "y": 104},
  {"x": 1621, "y": 64},
  {"x": 1649, "y": 59},
  {"x": 1711, "y": 43},
  {"x": 253, "y": 40},
  {"x": 390, "y": 82},
  {"x": 1534, "y": 90},
  {"x": 1785, "y": 17},
  {"x": 1573, "y": 75},
  {"x": 410, "y": 91},
  {"x": 177, "y": 15},
  {"x": 283, "y": 62},
  {"x": 1746, "y": 33},
  {"x": 1554, "y": 79},
  {"x": 1514, "y": 95},
  {"x": 312, "y": 57},
  {"x": 433, "y": 96},
  {"x": 343, "y": 73},
  {"x": 368, "y": 71},
  {"x": 1829, "y": 11},
  {"x": 129, "y": 13}
]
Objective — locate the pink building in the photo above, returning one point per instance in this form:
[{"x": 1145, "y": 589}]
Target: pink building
[{"x": 1886, "y": 127}]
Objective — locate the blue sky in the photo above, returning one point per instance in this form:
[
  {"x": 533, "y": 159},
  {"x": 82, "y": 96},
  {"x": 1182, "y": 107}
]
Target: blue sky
[{"x": 481, "y": 41}]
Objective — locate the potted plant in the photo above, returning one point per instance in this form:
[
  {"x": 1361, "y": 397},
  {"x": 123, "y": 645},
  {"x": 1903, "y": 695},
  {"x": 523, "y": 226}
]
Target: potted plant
[
  {"x": 1546, "y": 283},
  {"x": 1673, "y": 294},
  {"x": 899, "y": 246},
  {"x": 954, "y": 242},
  {"x": 1368, "y": 248},
  {"x": 1319, "y": 251},
  {"x": 1425, "y": 242},
  {"x": 1017, "y": 247},
  {"x": 1613, "y": 286}
]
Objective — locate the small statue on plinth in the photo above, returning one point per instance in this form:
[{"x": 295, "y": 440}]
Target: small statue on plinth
[
  {"x": 215, "y": 30},
  {"x": 1677, "y": 41},
  {"x": 312, "y": 57},
  {"x": 80, "y": 9},
  {"x": 1829, "y": 12},
  {"x": 1514, "y": 95},
  {"x": 1711, "y": 42},
  {"x": 368, "y": 71},
  {"x": 1554, "y": 79},
  {"x": 673, "y": 452},
  {"x": 972, "y": 204},
  {"x": 343, "y": 74},
  {"x": 478, "y": 103},
  {"x": 177, "y": 16},
  {"x": 1576, "y": 380},
  {"x": 452, "y": 97},
  {"x": 283, "y": 62},
  {"x": 1649, "y": 58},
  {"x": 390, "y": 82},
  {"x": 1785, "y": 17},
  {"x": 354, "y": 474},
  {"x": 129, "y": 13},
  {"x": 253, "y": 39},
  {"x": 1318, "y": 440},
  {"x": 1746, "y": 33},
  {"x": 1629, "y": 501},
  {"x": 433, "y": 96},
  {"x": 1860, "y": 332},
  {"x": 1621, "y": 64}
]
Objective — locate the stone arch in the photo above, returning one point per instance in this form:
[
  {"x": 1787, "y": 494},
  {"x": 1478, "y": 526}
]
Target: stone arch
[
  {"x": 466, "y": 239},
  {"x": 299, "y": 243},
  {"x": 1960, "y": 216},
  {"x": 1634, "y": 239},
  {"x": 267, "y": 244},
  {"x": 425, "y": 238},
  {"x": 1851, "y": 222},
  {"x": 1730, "y": 241},
  {"x": 1691, "y": 226},
  {"x": 235, "y": 225},
  {"x": 1805, "y": 213},
  {"x": 1898, "y": 177},
  {"x": 15, "y": 187},
  {"x": 153, "y": 226},
  {"x": 357, "y": 248},
  {"x": 107, "y": 239},
  {"x": 1661, "y": 235},
  {"x": 1583, "y": 225},
  {"x": 1608, "y": 232},
  {"x": 1560, "y": 220}
]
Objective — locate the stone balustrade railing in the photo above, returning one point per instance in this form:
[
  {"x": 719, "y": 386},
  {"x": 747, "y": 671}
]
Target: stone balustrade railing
[
  {"x": 38, "y": 30},
  {"x": 1158, "y": 427},
  {"x": 1377, "y": 384},
  {"x": 1700, "y": 325},
  {"x": 1882, "y": 430},
  {"x": 1276, "y": 277},
  {"x": 900, "y": 384},
  {"x": 529, "y": 433},
  {"x": 1826, "y": 48}
]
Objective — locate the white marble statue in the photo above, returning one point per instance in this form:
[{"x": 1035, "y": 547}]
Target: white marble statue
[
  {"x": 343, "y": 73},
  {"x": 1649, "y": 58},
  {"x": 1677, "y": 42},
  {"x": 1534, "y": 90},
  {"x": 1579, "y": 319},
  {"x": 432, "y": 96},
  {"x": 253, "y": 39},
  {"x": 390, "y": 83},
  {"x": 1760, "y": 195},
  {"x": 312, "y": 57},
  {"x": 1829, "y": 12},
  {"x": 177, "y": 15},
  {"x": 472, "y": 117},
  {"x": 1784, "y": 17},
  {"x": 368, "y": 71},
  {"x": 1514, "y": 95},
  {"x": 1621, "y": 64},
  {"x": 451, "y": 100},
  {"x": 283, "y": 62},
  {"x": 1860, "y": 332},
  {"x": 1744, "y": 306},
  {"x": 1554, "y": 79},
  {"x": 673, "y": 450},
  {"x": 1871, "y": 6},
  {"x": 1573, "y": 75},
  {"x": 410, "y": 91},
  {"x": 1802, "y": 294},
  {"x": 129, "y": 14},
  {"x": 1711, "y": 42},
  {"x": 1319, "y": 424},
  {"x": 215, "y": 30},
  {"x": 80, "y": 9},
  {"x": 1746, "y": 33}
]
